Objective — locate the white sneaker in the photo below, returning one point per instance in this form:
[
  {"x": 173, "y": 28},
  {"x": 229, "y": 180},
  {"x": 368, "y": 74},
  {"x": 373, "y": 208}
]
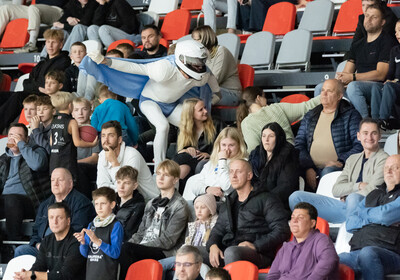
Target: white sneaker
[{"x": 29, "y": 47}]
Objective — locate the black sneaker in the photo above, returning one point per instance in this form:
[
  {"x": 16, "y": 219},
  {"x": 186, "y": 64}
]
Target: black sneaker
[{"x": 384, "y": 125}]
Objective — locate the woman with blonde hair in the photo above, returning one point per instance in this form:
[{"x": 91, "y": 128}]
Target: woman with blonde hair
[
  {"x": 197, "y": 132},
  {"x": 214, "y": 177},
  {"x": 222, "y": 64}
]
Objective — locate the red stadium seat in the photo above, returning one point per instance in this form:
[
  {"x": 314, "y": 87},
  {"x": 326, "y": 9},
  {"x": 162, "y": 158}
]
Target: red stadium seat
[
  {"x": 22, "y": 118},
  {"x": 26, "y": 67},
  {"x": 5, "y": 83},
  {"x": 145, "y": 270},
  {"x": 192, "y": 5},
  {"x": 242, "y": 270},
  {"x": 176, "y": 25},
  {"x": 16, "y": 34},
  {"x": 280, "y": 19},
  {"x": 246, "y": 75},
  {"x": 295, "y": 98},
  {"x": 114, "y": 44},
  {"x": 346, "y": 273}
]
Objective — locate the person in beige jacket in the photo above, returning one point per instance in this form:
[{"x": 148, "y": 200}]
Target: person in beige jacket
[{"x": 362, "y": 173}]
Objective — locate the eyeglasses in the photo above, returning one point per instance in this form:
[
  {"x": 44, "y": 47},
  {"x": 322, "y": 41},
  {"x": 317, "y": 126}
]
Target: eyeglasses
[{"x": 185, "y": 264}]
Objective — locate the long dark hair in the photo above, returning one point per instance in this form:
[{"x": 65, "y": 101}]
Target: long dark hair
[{"x": 280, "y": 142}]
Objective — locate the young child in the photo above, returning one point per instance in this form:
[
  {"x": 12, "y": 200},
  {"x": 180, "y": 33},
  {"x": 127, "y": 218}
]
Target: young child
[
  {"x": 126, "y": 49},
  {"x": 218, "y": 273},
  {"x": 53, "y": 82},
  {"x": 29, "y": 110},
  {"x": 65, "y": 135},
  {"x": 130, "y": 203},
  {"x": 101, "y": 242},
  {"x": 199, "y": 231},
  {"x": 115, "y": 53},
  {"x": 75, "y": 80},
  {"x": 41, "y": 123},
  {"x": 112, "y": 109}
]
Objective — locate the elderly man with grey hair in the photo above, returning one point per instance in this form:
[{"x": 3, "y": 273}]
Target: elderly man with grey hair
[{"x": 328, "y": 134}]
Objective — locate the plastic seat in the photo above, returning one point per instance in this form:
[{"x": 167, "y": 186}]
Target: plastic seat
[
  {"x": 326, "y": 183},
  {"x": 342, "y": 240},
  {"x": 231, "y": 42},
  {"x": 242, "y": 270},
  {"x": 391, "y": 144},
  {"x": 323, "y": 226},
  {"x": 114, "y": 44},
  {"x": 184, "y": 38},
  {"x": 295, "y": 50},
  {"x": 15, "y": 35},
  {"x": 92, "y": 45},
  {"x": 26, "y": 67},
  {"x": 5, "y": 83},
  {"x": 346, "y": 273},
  {"x": 347, "y": 18},
  {"x": 317, "y": 17},
  {"x": 176, "y": 24},
  {"x": 192, "y": 5},
  {"x": 20, "y": 83},
  {"x": 163, "y": 6},
  {"x": 295, "y": 98},
  {"x": 259, "y": 50},
  {"x": 17, "y": 264},
  {"x": 22, "y": 118},
  {"x": 246, "y": 75},
  {"x": 3, "y": 145},
  {"x": 145, "y": 270}
]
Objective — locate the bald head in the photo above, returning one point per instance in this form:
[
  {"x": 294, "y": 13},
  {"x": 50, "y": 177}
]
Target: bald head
[
  {"x": 392, "y": 172},
  {"x": 331, "y": 94},
  {"x": 61, "y": 183},
  {"x": 240, "y": 174}
]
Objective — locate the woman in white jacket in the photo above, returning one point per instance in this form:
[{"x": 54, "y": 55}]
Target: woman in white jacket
[{"x": 214, "y": 178}]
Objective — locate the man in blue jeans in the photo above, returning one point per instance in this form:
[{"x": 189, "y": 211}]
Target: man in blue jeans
[
  {"x": 362, "y": 173},
  {"x": 375, "y": 248}
]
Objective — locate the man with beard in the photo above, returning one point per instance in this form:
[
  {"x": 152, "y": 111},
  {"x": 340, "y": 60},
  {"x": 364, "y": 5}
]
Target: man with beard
[
  {"x": 151, "y": 36},
  {"x": 368, "y": 62},
  {"x": 115, "y": 155}
]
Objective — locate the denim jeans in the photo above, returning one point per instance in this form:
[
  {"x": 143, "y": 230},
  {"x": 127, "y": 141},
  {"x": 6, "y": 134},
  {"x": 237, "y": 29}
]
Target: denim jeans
[
  {"x": 389, "y": 96},
  {"x": 362, "y": 92},
  {"x": 331, "y": 209},
  {"x": 372, "y": 262},
  {"x": 326, "y": 170},
  {"x": 226, "y": 6},
  {"x": 107, "y": 34},
  {"x": 78, "y": 34},
  {"x": 26, "y": 250}
]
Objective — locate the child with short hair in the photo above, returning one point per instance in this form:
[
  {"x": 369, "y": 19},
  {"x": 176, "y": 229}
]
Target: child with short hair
[
  {"x": 76, "y": 81},
  {"x": 29, "y": 111},
  {"x": 41, "y": 123},
  {"x": 111, "y": 109},
  {"x": 101, "y": 242},
  {"x": 53, "y": 82},
  {"x": 65, "y": 135},
  {"x": 115, "y": 53},
  {"x": 218, "y": 273},
  {"x": 126, "y": 49},
  {"x": 130, "y": 203}
]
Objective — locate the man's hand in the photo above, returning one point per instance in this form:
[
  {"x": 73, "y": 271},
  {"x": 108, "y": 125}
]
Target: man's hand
[
  {"x": 97, "y": 56},
  {"x": 201, "y": 156},
  {"x": 38, "y": 245},
  {"x": 215, "y": 254},
  {"x": 80, "y": 236},
  {"x": 58, "y": 25},
  {"x": 216, "y": 191},
  {"x": 344, "y": 77},
  {"x": 23, "y": 275},
  {"x": 92, "y": 236},
  {"x": 311, "y": 178},
  {"x": 17, "y": 138},
  {"x": 35, "y": 122},
  {"x": 334, "y": 163},
  {"x": 191, "y": 151},
  {"x": 73, "y": 21},
  {"x": 111, "y": 156},
  {"x": 247, "y": 244},
  {"x": 362, "y": 185}
]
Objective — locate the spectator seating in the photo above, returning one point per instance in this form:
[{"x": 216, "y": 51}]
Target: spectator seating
[
  {"x": 231, "y": 42},
  {"x": 295, "y": 50},
  {"x": 163, "y": 7},
  {"x": 5, "y": 83},
  {"x": 149, "y": 17},
  {"x": 295, "y": 98},
  {"x": 242, "y": 270},
  {"x": 317, "y": 17},
  {"x": 192, "y": 5},
  {"x": 92, "y": 45},
  {"x": 114, "y": 44},
  {"x": 184, "y": 38},
  {"x": 17, "y": 264},
  {"x": 259, "y": 51},
  {"x": 15, "y": 35},
  {"x": 26, "y": 67},
  {"x": 347, "y": 18},
  {"x": 176, "y": 24},
  {"x": 22, "y": 118},
  {"x": 342, "y": 240},
  {"x": 345, "y": 272},
  {"x": 391, "y": 144},
  {"x": 246, "y": 75},
  {"x": 145, "y": 270},
  {"x": 19, "y": 86},
  {"x": 326, "y": 183},
  {"x": 323, "y": 226},
  {"x": 280, "y": 19},
  {"x": 3, "y": 145}
]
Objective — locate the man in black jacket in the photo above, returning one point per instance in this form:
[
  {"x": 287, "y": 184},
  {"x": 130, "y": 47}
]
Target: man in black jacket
[
  {"x": 375, "y": 246},
  {"x": 251, "y": 225},
  {"x": 59, "y": 256},
  {"x": 11, "y": 102}
]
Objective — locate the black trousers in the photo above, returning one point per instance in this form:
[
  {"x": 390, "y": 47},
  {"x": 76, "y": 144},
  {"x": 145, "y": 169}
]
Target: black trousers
[
  {"x": 131, "y": 253},
  {"x": 14, "y": 208},
  {"x": 10, "y": 107}
]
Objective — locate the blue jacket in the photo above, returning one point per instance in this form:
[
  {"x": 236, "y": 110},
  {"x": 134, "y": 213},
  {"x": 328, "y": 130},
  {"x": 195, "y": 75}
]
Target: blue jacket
[
  {"x": 82, "y": 213},
  {"x": 344, "y": 129}
]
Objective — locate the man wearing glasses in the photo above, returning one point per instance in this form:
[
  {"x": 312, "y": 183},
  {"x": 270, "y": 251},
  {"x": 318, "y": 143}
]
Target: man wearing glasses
[{"x": 188, "y": 263}]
